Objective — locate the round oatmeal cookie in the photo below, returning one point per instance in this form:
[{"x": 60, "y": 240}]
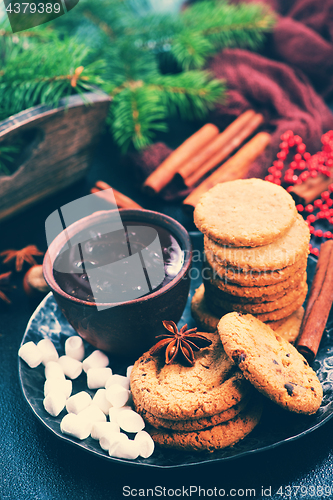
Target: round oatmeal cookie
[
  {"x": 251, "y": 277},
  {"x": 270, "y": 363},
  {"x": 175, "y": 392},
  {"x": 227, "y": 297},
  {"x": 289, "y": 327},
  {"x": 255, "y": 291},
  {"x": 282, "y": 313},
  {"x": 204, "y": 318},
  {"x": 217, "y": 437},
  {"x": 212, "y": 295},
  {"x": 289, "y": 248},
  {"x": 245, "y": 213},
  {"x": 194, "y": 425}
]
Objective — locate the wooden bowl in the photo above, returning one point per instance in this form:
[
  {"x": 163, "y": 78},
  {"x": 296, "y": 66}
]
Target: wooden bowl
[
  {"x": 129, "y": 328},
  {"x": 56, "y": 147}
]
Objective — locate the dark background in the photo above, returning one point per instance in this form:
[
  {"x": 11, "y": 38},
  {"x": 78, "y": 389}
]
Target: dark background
[{"x": 35, "y": 464}]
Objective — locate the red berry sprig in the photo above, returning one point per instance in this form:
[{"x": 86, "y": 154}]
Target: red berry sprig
[{"x": 303, "y": 166}]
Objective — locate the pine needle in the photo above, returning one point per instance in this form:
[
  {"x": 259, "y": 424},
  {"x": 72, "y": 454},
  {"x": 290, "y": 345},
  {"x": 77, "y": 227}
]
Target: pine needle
[
  {"x": 150, "y": 64},
  {"x": 44, "y": 76}
]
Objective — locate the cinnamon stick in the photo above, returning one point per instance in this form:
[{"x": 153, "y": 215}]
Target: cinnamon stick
[
  {"x": 122, "y": 201},
  {"x": 223, "y": 152},
  {"x": 165, "y": 172},
  {"x": 216, "y": 145},
  {"x": 310, "y": 189},
  {"x": 319, "y": 304},
  {"x": 235, "y": 168}
]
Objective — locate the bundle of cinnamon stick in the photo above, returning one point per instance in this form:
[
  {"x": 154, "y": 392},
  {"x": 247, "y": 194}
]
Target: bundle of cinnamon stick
[
  {"x": 201, "y": 153},
  {"x": 205, "y": 150}
]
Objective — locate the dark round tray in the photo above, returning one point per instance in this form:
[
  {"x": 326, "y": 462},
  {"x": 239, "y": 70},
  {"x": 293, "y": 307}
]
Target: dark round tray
[{"x": 276, "y": 427}]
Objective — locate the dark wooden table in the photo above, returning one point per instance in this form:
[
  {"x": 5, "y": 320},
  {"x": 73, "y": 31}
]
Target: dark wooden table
[{"x": 35, "y": 465}]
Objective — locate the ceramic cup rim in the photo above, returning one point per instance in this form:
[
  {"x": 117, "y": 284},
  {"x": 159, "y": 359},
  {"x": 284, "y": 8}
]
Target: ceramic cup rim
[{"x": 176, "y": 229}]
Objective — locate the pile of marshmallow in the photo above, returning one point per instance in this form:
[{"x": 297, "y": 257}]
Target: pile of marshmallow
[{"x": 102, "y": 416}]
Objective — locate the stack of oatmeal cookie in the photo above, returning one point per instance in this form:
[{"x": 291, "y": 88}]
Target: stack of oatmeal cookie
[
  {"x": 256, "y": 248},
  {"x": 215, "y": 402},
  {"x": 206, "y": 406}
]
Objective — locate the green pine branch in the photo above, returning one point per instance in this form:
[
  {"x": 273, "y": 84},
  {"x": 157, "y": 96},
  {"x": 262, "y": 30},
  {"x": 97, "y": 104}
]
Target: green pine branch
[
  {"x": 196, "y": 33},
  {"x": 139, "y": 109},
  {"x": 210, "y": 26},
  {"x": 151, "y": 64},
  {"x": 135, "y": 115},
  {"x": 125, "y": 63},
  {"x": 44, "y": 73},
  {"x": 190, "y": 94}
]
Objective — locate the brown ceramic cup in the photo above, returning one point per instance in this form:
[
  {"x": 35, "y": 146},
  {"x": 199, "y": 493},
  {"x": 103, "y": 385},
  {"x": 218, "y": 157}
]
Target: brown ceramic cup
[{"x": 129, "y": 328}]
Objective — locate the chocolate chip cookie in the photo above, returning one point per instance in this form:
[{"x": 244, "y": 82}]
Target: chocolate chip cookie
[{"x": 270, "y": 363}]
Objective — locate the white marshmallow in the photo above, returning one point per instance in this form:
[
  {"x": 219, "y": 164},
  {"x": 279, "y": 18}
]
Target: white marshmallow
[
  {"x": 72, "y": 367},
  {"x": 117, "y": 395},
  {"x": 49, "y": 352},
  {"x": 114, "y": 412},
  {"x": 130, "y": 421},
  {"x": 100, "y": 429},
  {"x": 97, "y": 377},
  {"x": 112, "y": 439},
  {"x": 58, "y": 385},
  {"x": 75, "y": 426},
  {"x": 125, "y": 449},
  {"x": 146, "y": 444},
  {"x": 117, "y": 379},
  {"x": 30, "y": 353},
  {"x": 100, "y": 400},
  {"x": 129, "y": 371},
  {"x": 74, "y": 347},
  {"x": 97, "y": 359},
  {"x": 54, "y": 403},
  {"x": 93, "y": 414},
  {"x": 54, "y": 370},
  {"x": 78, "y": 402}
]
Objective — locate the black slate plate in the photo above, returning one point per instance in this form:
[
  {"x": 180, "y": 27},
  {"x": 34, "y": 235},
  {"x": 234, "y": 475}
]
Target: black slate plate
[{"x": 276, "y": 427}]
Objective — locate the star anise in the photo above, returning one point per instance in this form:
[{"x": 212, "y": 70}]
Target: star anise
[
  {"x": 179, "y": 343},
  {"x": 5, "y": 286},
  {"x": 21, "y": 256}
]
